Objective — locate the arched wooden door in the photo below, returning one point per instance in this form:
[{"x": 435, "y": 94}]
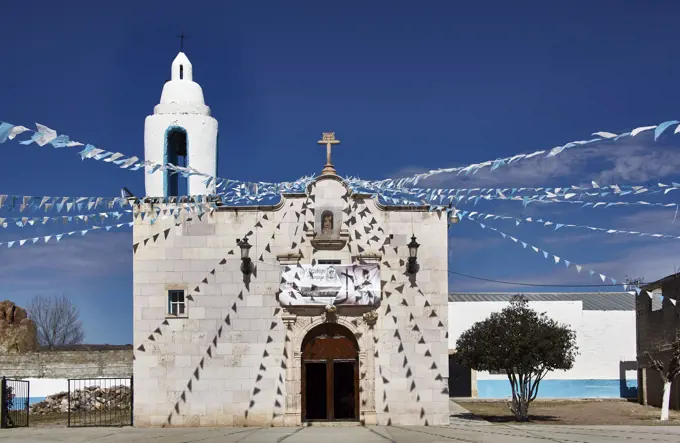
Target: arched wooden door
[{"x": 330, "y": 374}]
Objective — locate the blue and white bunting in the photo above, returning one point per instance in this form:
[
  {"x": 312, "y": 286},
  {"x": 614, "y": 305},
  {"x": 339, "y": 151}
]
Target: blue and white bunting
[{"x": 57, "y": 237}]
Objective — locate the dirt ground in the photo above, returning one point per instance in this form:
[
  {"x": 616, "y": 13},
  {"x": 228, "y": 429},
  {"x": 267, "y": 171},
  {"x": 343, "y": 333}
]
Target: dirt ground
[
  {"x": 574, "y": 412},
  {"x": 61, "y": 420},
  {"x": 36, "y": 421}
]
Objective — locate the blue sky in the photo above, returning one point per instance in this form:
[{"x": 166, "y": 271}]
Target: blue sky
[{"x": 406, "y": 87}]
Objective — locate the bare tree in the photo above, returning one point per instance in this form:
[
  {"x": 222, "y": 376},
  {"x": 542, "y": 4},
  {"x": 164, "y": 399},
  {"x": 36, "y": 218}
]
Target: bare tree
[
  {"x": 667, "y": 376},
  {"x": 57, "y": 321}
]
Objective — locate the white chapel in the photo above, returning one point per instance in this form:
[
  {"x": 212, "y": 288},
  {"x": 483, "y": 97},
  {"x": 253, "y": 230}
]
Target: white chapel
[{"x": 325, "y": 306}]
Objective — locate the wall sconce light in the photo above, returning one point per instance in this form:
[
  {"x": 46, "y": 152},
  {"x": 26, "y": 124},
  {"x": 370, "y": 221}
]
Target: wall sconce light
[
  {"x": 246, "y": 262},
  {"x": 412, "y": 265}
]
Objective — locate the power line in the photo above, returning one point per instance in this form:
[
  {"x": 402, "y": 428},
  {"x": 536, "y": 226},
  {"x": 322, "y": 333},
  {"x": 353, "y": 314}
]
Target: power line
[{"x": 528, "y": 284}]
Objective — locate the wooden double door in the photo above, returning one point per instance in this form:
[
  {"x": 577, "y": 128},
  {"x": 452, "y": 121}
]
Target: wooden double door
[{"x": 330, "y": 374}]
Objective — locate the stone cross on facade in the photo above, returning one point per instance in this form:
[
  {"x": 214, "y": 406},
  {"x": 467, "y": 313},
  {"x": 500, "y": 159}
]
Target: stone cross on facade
[{"x": 329, "y": 140}]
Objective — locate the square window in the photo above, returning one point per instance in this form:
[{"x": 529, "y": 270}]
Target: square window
[{"x": 176, "y": 303}]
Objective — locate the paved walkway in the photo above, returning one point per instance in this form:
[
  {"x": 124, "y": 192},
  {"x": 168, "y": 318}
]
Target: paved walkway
[
  {"x": 463, "y": 428},
  {"x": 468, "y": 432}
]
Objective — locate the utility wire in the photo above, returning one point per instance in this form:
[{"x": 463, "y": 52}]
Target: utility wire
[{"x": 529, "y": 284}]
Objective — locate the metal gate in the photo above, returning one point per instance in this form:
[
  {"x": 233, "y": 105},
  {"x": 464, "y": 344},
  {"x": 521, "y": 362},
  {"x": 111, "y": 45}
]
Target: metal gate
[
  {"x": 100, "y": 402},
  {"x": 14, "y": 395}
]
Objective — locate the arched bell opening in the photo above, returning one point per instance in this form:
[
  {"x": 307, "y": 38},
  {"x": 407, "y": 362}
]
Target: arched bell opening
[
  {"x": 176, "y": 153},
  {"x": 330, "y": 374}
]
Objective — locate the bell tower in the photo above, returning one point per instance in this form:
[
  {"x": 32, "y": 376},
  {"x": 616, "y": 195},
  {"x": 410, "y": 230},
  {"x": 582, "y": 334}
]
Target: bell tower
[{"x": 182, "y": 132}]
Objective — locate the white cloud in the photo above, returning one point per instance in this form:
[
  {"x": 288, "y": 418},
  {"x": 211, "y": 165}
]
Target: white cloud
[{"x": 629, "y": 160}]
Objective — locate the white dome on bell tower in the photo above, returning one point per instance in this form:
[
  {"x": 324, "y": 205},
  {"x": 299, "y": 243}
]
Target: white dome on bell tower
[{"x": 182, "y": 132}]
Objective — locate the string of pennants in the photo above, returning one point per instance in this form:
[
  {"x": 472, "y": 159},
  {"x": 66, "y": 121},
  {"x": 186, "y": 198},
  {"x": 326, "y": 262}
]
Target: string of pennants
[
  {"x": 153, "y": 213},
  {"x": 556, "y": 259},
  {"x": 24, "y": 203},
  {"x": 442, "y": 195},
  {"x": 566, "y": 191},
  {"x": 604, "y": 204},
  {"x": 242, "y": 191},
  {"x": 267, "y": 248},
  {"x": 414, "y": 196},
  {"x": 154, "y": 237},
  {"x": 157, "y": 213},
  {"x": 472, "y": 215},
  {"x": 74, "y": 204},
  {"x": 23, "y": 222},
  {"x": 279, "y": 397},
  {"x": 495, "y": 164},
  {"x": 262, "y": 368},
  {"x": 58, "y": 237},
  {"x": 235, "y": 191},
  {"x": 437, "y": 197}
]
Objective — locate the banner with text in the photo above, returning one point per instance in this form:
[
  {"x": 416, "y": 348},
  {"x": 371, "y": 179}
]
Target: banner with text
[{"x": 330, "y": 285}]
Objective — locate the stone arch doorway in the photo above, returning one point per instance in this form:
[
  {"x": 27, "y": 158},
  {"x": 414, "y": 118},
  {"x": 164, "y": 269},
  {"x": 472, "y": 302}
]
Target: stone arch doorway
[{"x": 330, "y": 374}]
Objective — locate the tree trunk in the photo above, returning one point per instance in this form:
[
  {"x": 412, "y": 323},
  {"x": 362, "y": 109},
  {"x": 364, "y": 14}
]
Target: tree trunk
[
  {"x": 520, "y": 407},
  {"x": 666, "y": 400}
]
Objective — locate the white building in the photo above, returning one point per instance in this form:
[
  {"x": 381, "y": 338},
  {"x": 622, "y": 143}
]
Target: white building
[
  {"x": 605, "y": 335},
  {"x": 327, "y": 326}
]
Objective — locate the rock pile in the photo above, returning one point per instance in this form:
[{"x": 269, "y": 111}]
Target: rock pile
[{"x": 92, "y": 398}]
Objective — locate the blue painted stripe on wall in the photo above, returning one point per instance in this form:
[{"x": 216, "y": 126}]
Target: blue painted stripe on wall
[{"x": 564, "y": 389}]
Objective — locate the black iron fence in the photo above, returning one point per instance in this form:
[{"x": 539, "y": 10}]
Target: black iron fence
[
  {"x": 14, "y": 396},
  {"x": 100, "y": 402}
]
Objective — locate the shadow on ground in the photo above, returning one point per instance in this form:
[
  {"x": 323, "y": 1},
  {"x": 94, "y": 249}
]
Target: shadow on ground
[{"x": 505, "y": 418}]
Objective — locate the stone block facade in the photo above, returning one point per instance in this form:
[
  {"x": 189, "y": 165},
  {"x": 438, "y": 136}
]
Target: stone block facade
[{"x": 234, "y": 357}]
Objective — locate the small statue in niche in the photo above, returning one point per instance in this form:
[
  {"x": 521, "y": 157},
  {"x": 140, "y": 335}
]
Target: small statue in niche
[{"x": 327, "y": 223}]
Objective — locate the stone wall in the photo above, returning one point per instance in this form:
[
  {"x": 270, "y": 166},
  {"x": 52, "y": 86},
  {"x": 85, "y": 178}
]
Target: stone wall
[
  {"x": 656, "y": 331},
  {"x": 653, "y": 391},
  {"x": 67, "y": 364}
]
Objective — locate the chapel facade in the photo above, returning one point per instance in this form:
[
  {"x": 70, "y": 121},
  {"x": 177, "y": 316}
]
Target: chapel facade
[{"x": 304, "y": 310}]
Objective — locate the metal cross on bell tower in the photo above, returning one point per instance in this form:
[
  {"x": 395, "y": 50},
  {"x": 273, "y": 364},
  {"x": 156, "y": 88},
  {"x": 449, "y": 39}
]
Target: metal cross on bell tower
[
  {"x": 329, "y": 140},
  {"x": 181, "y": 38}
]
